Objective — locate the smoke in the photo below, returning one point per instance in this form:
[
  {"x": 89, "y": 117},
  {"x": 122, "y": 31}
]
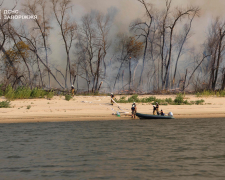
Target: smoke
[{"x": 127, "y": 11}]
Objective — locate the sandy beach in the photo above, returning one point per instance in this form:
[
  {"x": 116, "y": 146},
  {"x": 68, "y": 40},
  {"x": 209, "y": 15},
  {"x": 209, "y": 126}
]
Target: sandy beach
[{"x": 83, "y": 108}]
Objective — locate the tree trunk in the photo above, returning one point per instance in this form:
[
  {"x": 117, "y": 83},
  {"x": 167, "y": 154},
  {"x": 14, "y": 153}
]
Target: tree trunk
[
  {"x": 180, "y": 50},
  {"x": 143, "y": 65},
  {"x": 223, "y": 80},
  {"x": 40, "y": 72},
  {"x": 129, "y": 73},
  {"x": 135, "y": 68},
  {"x": 118, "y": 74},
  {"x": 185, "y": 80}
]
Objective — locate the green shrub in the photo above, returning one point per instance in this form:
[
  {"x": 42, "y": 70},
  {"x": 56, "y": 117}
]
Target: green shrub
[
  {"x": 22, "y": 92},
  {"x": 121, "y": 101},
  {"x": 96, "y": 93},
  {"x": 29, "y": 106},
  {"x": 37, "y": 93},
  {"x": 123, "y": 98},
  {"x": 5, "y": 104},
  {"x": 1, "y": 92},
  {"x": 179, "y": 99},
  {"x": 150, "y": 99},
  {"x": 9, "y": 93},
  {"x": 218, "y": 94},
  {"x": 160, "y": 102},
  {"x": 221, "y": 93},
  {"x": 199, "y": 102},
  {"x": 192, "y": 102},
  {"x": 43, "y": 94},
  {"x": 50, "y": 95},
  {"x": 186, "y": 102},
  {"x": 208, "y": 93},
  {"x": 133, "y": 98},
  {"x": 169, "y": 100},
  {"x": 68, "y": 97}
]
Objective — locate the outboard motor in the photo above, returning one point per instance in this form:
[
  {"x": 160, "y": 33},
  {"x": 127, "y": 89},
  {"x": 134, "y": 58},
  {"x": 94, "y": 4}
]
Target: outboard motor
[{"x": 170, "y": 114}]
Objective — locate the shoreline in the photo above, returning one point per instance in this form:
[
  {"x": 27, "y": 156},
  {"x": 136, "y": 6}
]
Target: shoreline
[
  {"x": 98, "y": 108},
  {"x": 41, "y": 119}
]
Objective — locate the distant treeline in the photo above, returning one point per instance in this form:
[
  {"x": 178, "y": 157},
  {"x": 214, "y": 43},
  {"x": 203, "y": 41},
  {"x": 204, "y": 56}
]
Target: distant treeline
[{"x": 155, "y": 55}]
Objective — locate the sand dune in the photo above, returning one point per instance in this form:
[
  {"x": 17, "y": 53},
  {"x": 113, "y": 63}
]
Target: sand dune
[{"x": 82, "y": 108}]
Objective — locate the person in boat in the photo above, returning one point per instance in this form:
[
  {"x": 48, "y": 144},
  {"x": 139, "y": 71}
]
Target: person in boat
[
  {"x": 72, "y": 90},
  {"x": 161, "y": 113},
  {"x": 157, "y": 108},
  {"x": 134, "y": 110},
  {"x": 154, "y": 110},
  {"x": 112, "y": 98}
]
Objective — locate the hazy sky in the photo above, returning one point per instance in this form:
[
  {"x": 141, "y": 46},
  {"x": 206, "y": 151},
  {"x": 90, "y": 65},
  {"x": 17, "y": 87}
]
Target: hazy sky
[{"x": 128, "y": 10}]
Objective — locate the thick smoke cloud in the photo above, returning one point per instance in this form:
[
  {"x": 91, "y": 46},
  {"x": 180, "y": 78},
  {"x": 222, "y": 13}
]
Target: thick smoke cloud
[{"x": 127, "y": 11}]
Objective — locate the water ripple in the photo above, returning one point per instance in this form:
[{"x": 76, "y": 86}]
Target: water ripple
[{"x": 173, "y": 150}]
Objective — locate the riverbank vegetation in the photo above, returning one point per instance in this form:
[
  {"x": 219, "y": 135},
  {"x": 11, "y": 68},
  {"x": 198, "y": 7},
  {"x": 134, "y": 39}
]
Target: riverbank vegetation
[
  {"x": 25, "y": 92},
  {"x": 5, "y": 104},
  {"x": 179, "y": 100},
  {"x": 207, "y": 93},
  {"x": 68, "y": 97}
]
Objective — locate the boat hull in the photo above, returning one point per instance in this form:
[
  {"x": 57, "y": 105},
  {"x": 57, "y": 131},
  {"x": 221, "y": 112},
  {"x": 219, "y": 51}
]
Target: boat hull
[{"x": 148, "y": 116}]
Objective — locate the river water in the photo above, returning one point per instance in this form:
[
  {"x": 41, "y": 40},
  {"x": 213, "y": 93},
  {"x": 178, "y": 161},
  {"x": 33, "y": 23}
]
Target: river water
[{"x": 137, "y": 149}]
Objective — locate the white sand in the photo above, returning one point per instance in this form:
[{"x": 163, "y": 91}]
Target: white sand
[{"x": 99, "y": 108}]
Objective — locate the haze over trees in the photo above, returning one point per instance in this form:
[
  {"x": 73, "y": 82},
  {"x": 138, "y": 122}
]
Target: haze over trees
[{"x": 155, "y": 53}]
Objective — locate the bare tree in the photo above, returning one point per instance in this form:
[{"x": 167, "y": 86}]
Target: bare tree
[
  {"x": 169, "y": 28},
  {"x": 204, "y": 57},
  {"x": 223, "y": 79},
  {"x": 127, "y": 48},
  {"x": 42, "y": 24},
  {"x": 20, "y": 50},
  {"x": 157, "y": 33},
  {"x": 93, "y": 45},
  {"x": 4, "y": 24},
  {"x": 163, "y": 33},
  {"x": 187, "y": 29},
  {"x": 142, "y": 30},
  {"x": 215, "y": 45},
  {"x": 30, "y": 40},
  {"x": 68, "y": 29}
]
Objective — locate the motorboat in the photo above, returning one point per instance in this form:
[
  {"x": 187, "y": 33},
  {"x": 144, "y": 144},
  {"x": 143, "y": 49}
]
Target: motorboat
[{"x": 149, "y": 116}]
